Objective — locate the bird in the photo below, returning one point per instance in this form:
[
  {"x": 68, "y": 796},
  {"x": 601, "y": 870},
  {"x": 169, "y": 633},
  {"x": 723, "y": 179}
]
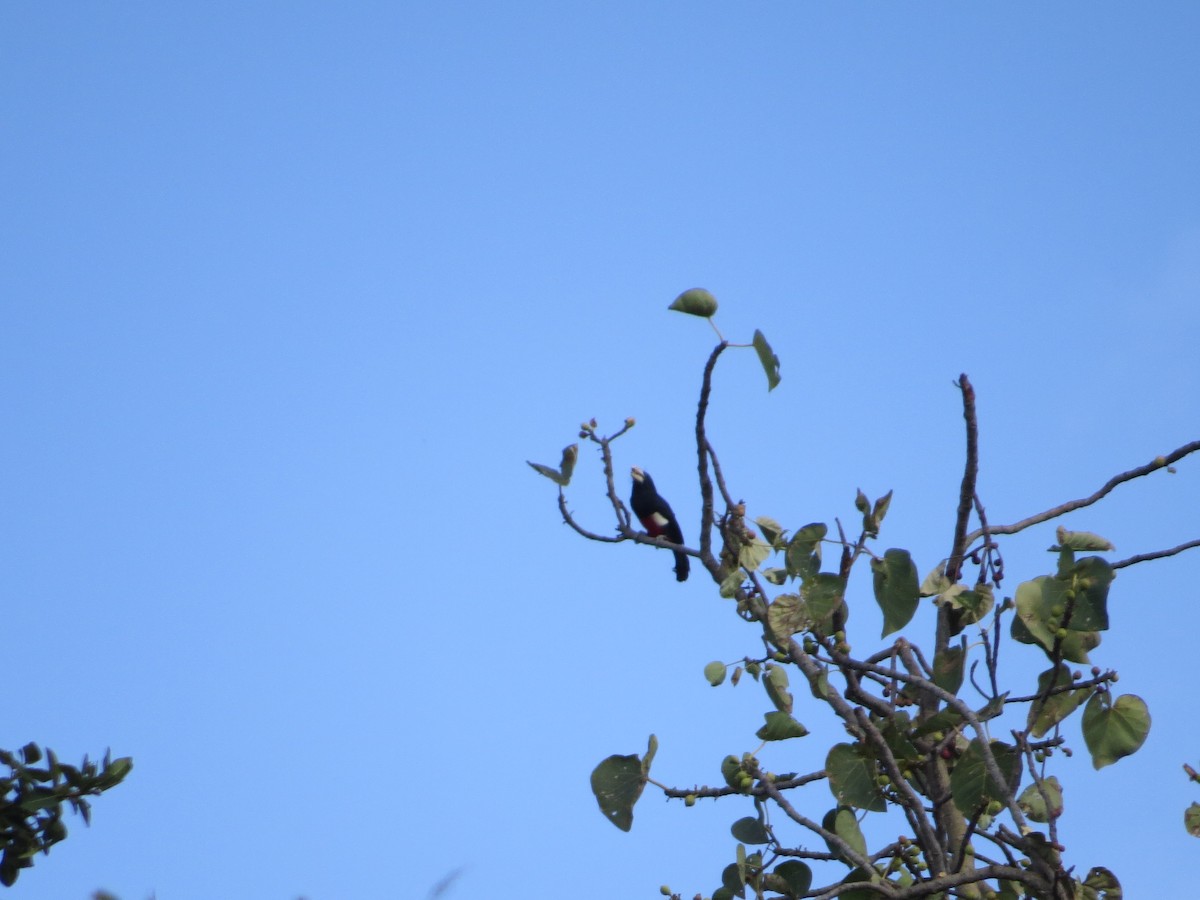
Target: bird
[{"x": 656, "y": 517}]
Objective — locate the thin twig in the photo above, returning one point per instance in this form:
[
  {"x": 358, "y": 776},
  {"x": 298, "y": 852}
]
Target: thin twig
[
  {"x": 1154, "y": 465},
  {"x": 1157, "y": 554},
  {"x": 707, "y": 515},
  {"x": 966, "y": 494}
]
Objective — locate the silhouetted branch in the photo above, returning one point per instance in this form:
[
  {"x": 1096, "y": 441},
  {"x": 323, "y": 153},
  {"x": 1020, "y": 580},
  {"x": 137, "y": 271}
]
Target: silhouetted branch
[
  {"x": 703, "y": 451},
  {"x": 1157, "y": 554},
  {"x": 1160, "y": 462}
]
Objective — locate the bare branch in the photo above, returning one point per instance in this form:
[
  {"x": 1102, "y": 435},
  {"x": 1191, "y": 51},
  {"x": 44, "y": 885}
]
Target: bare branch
[
  {"x": 966, "y": 494},
  {"x": 1155, "y": 464},
  {"x": 780, "y": 784},
  {"x": 1157, "y": 554},
  {"x": 703, "y": 451},
  {"x": 833, "y": 839},
  {"x": 590, "y": 535}
]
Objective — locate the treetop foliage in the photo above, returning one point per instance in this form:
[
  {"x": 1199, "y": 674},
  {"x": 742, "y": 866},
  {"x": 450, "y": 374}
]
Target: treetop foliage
[{"x": 937, "y": 737}]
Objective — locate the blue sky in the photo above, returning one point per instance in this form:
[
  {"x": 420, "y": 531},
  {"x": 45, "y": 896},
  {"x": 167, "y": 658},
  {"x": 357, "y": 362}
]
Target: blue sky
[{"x": 290, "y": 291}]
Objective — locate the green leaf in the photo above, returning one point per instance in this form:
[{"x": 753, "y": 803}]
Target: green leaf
[
  {"x": 651, "y": 749},
  {"x": 749, "y": 831},
  {"x": 852, "y": 778},
  {"x": 732, "y": 878},
  {"x": 715, "y": 672},
  {"x": 1101, "y": 884},
  {"x": 1056, "y": 707},
  {"x": 731, "y": 584},
  {"x": 561, "y": 476},
  {"x": 1076, "y": 644},
  {"x": 1191, "y": 819},
  {"x": 775, "y": 575},
  {"x": 822, "y": 594},
  {"x": 780, "y": 726},
  {"x": 772, "y": 531},
  {"x": 796, "y": 875},
  {"x": 972, "y": 605},
  {"x": 948, "y": 669},
  {"x": 880, "y": 509},
  {"x": 859, "y": 876},
  {"x": 946, "y": 720},
  {"x": 37, "y": 799},
  {"x": 776, "y": 683},
  {"x": 695, "y": 302},
  {"x": 819, "y": 685},
  {"x": 567, "y": 464},
  {"x": 731, "y": 767},
  {"x": 803, "y": 554},
  {"x": 1033, "y": 804},
  {"x": 970, "y": 783},
  {"x": 842, "y": 822},
  {"x": 896, "y": 589},
  {"x": 1081, "y": 540},
  {"x": 787, "y": 615},
  {"x": 617, "y": 784},
  {"x": 1114, "y": 730},
  {"x": 935, "y": 582},
  {"x": 115, "y": 772},
  {"x": 753, "y": 553},
  {"x": 1036, "y": 602},
  {"x": 766, "y": 356},
  {"x": 1091, "y": 577},
  {"x": 992, "y": 708}
]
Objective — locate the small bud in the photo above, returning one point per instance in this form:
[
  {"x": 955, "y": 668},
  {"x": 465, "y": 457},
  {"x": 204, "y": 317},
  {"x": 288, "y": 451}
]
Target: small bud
[
  {"x": 630, "y": 422},
  {"x": 665, "y": 891},
  {"x": 1095, "y": 671},
  {"x": 689, "y": 800},
  {"x": 1076, "y": 675}
]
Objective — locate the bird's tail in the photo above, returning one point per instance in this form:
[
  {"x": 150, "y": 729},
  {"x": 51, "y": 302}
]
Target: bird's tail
[{"x": 681, "y": 566}]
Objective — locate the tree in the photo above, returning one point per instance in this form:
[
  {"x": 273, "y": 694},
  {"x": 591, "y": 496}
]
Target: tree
[
  {"x": 978, "y": 808},
  {"x": 32, "y": 799}
]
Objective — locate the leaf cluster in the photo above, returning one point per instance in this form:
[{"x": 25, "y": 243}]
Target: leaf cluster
[
  {"x": 978, "y": 808},
  {"x": 34, "y": 794}
]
